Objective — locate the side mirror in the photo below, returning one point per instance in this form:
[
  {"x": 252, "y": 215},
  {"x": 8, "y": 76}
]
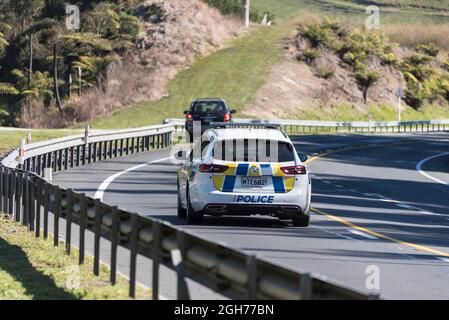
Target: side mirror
[
  {"x": 181, "y": 155},
  {"x": 186, "y": 112},
  {"x": 233, "y": 111},
  {"x": 303, "y": 157}
]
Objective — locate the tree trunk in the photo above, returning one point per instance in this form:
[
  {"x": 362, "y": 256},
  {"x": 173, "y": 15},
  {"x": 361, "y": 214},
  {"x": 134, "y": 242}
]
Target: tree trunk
[
  {"x": 365, "y": 94},
  {"x": 55, "y": 78},
  {"x": 30, "y": 67}
]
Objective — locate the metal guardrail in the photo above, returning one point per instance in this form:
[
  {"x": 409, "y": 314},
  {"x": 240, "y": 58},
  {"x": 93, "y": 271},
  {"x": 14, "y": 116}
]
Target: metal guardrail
[
  {"x": 308, "y": 126},
  {"x": 29, "y": 199}
]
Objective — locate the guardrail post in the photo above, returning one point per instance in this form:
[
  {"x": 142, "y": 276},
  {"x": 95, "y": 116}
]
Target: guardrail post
[
  {"x": 89, "y": 155},
  {"x": 251, "y": 276},
  {"x": 306, "y": 286},
  {"x": 19, "y": 182},
  {"x": 114, "y": 243},
  {"x": 83, "y": 209},
  {"x": 156, "y": 258},
  {"x": 95, "y": 153},
  {"x": 78, "y": 156},
  {"x": 6, "y": 190},
  {"x": 38, "y": 207},
  {"x": 177, "y": 256},
  {"x": 60, "y": 160},
  {"x": 32, "y": 205},
  {"x": 66, "y": 159},
  {"x": 2, "y": 187},
  {"x": 111, "y": 148},
  {"x": 69, "y": 214},
  {"x": 26, "y": 200},
  {"x": 56, "y": 215},
  {"x": 38, "y": 165},
  {"x": 12, "y": 189},
  {"x": 72, "y": 160},
  {"x": 46, "y": 208},
  {"x": 115, "y": 148},
  {"x": 97, "y": 231},
  {"x": 133, "y": 254},
  {"x": 100, "y": 147}
]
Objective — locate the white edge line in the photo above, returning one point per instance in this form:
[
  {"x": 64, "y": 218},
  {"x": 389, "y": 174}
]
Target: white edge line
[
  {"x": 106, "y": 183},
  {"x": 422, "y": 162},
  {"x": 363, "y": 234}
]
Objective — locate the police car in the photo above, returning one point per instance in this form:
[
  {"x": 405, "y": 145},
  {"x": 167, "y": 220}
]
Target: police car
[{"x": 243, "y": 171}]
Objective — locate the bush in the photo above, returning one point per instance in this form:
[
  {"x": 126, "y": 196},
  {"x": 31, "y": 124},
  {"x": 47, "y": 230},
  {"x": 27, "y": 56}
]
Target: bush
[
  {"x": 325, "y": 73},
  {"x": 309, "y": 55},
  {"x": 4, "y": 118},
  {"x": 365, "y": 79},
  {"x": 430, "y": 49},
  {"x": 318, "y": 34},
  {"x": 415, "y": 95}
]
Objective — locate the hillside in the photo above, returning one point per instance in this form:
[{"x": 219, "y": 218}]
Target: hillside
[
  {"x": 126, "y": 53},
  {"x": 327, "y": 65},
  {"x": 185, "y": 49}
]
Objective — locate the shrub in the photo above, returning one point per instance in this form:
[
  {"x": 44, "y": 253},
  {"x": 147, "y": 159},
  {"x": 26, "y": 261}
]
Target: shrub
[
  {"x": 430, "y": 49},
  {"x": 415, "y": 95},
  {"x": 325, "y": 73},
  {"x": 309, "y": 55},
  {"x": 365, "y": 79},
  {"x": 318, "y": 34},
  {"x": 445, "y": 65}
]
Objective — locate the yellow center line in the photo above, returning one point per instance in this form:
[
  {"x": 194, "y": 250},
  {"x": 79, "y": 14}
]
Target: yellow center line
[{"x": 366, "y": 230}]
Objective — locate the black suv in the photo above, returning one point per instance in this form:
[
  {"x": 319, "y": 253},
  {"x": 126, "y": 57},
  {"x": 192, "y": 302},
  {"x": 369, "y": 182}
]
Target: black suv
[{"x": 207, "y": 111}]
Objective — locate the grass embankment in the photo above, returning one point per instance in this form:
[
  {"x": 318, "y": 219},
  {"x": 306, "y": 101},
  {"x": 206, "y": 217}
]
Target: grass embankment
[
  {"x": 32, "y": 268},
  {"x": 237, "y": 72},
  {"x": 378, "y": 113},
  {"x": 10, "y": 139},
  {"x": 234, "y": 73}
]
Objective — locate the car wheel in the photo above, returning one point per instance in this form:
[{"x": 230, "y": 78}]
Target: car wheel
[
  {"x": 181, "y": 211},
  {"x": 301, "y": 221},
  {"x": 192, "y": 216}
]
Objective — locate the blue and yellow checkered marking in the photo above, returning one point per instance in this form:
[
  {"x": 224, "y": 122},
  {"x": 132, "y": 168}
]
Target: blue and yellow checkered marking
[{"x": 225, "y": 182}]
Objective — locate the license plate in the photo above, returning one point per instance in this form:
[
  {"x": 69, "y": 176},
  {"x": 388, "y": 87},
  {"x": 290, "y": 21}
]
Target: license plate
[{"x": 254, "y": 182}]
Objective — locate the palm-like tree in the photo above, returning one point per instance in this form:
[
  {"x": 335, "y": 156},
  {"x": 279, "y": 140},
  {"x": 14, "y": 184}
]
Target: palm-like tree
[{"x": 3, "y": 41}]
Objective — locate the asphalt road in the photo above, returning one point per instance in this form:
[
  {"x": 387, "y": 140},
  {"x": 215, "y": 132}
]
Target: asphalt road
[{"x": 375, "y": 210}]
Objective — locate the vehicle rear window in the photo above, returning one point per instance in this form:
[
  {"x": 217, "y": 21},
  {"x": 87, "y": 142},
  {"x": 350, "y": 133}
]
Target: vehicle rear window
[
  {"x": 254, "y": 150},
  {"x": 208, "y": 107}
]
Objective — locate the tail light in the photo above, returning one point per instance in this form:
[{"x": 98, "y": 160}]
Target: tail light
[
  {"x": 213, "y": 168},
  {"x": 294, "y": 170},
  {"x": 189, "y": 117},
  {"x": 227, "y": 117}
]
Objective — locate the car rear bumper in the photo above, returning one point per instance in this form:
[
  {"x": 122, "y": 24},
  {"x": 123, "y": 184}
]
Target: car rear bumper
[{"x": 280, "y": 211}]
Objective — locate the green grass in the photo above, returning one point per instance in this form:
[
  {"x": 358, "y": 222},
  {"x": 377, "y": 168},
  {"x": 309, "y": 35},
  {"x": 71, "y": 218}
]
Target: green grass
[
  {"x": 33, "y": 269},
  {"x": 235, "y": 74},
  {"x": 282, "y": 9},
  {"x": 10, "y": 139},
  {"x": 354, "y": 11},
  {"x": 347, "y": 112}
]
